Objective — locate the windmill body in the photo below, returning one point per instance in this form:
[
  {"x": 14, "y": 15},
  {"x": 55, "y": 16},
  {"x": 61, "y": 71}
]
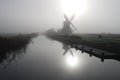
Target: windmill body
[
  {"x": 67, "y": 26},
  {"x": 66, "y": 29}
]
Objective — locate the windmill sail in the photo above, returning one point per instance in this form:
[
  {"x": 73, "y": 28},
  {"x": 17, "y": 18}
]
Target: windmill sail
[
  {"x": 70, "y": 21},
  {"x": 72, "y": 17}
]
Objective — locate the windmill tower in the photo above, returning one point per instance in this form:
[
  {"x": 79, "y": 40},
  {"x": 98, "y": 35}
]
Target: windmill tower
[{"x": 67, "y": 26}]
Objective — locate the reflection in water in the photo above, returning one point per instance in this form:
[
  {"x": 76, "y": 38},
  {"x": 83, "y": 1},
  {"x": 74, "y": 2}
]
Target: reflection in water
[
  {"x": 12, "y": 47},
  {"x": 44, "y": 61},
  {"x": 72, "y": 61},
  {"x": 8, "y": 57},
  {"x": 79, "y": 43},
  {"x": 67, "y": 47}
]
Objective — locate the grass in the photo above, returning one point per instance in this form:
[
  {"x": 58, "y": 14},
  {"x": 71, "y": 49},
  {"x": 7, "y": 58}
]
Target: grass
[
  {"x": 10, "y": 46},
  {"x": 110, "y": 45}
]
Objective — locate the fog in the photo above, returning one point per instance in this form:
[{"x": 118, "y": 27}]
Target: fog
[{"x": 17, "y": 16}]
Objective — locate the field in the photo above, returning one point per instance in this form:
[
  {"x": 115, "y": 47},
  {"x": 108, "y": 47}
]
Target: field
[{"x": 110, "y": 43}]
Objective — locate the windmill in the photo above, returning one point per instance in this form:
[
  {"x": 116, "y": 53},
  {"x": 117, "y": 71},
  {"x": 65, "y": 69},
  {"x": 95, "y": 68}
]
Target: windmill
[{"x": 70, "y": 21}]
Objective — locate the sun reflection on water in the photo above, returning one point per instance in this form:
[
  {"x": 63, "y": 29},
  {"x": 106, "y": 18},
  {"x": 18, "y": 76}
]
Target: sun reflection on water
[{"x": 73, "y": 61}]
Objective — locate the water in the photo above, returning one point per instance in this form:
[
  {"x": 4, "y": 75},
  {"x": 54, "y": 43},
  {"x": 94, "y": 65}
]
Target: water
[{"x": 44, "y": 60}]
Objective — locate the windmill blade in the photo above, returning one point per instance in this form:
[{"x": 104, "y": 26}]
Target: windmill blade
[
  {"x": 71, "y": 52},
  {"x": 72, "y": 17},
  {"x": 65, "y": 52},
  {"x": 73, "y": 26},
  {"x": 70, "y": 21},
  {"x": 66, "y": 17}
]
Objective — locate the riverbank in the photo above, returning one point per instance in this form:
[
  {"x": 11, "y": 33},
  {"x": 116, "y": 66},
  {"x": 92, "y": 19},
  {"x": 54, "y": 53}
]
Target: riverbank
[
  {"x": 110, "y": 43},
  {"x": 8, "y": 44}
]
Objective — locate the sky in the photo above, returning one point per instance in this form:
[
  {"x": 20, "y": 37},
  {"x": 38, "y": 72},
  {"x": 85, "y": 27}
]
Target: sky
[{"x": 18, "y": 16}]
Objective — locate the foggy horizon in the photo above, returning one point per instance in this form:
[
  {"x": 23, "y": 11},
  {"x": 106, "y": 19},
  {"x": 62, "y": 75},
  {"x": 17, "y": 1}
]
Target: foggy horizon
[{"x": 100, "y": 16}]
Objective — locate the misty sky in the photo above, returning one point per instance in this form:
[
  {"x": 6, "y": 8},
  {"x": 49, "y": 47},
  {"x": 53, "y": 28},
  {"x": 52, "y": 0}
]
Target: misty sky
[{"x": 101, "y": 16}]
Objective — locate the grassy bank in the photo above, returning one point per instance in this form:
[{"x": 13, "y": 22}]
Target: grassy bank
[
  {"x": 14, "y": 42},
  {"x": 106, "y": 44},
  {"x": 11, "y": 46},
  {"x": 110, "y": 43}
]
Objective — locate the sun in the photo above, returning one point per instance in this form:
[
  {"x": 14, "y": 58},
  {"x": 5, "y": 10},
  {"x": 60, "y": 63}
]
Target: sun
[{"x": 71, "y": 7}]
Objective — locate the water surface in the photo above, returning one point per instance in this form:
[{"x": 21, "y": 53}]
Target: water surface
[{"x": 44, "y": 60}]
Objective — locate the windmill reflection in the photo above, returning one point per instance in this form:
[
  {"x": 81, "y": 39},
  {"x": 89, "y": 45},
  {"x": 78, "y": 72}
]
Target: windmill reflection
[{"x": 67, "y": 48}]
